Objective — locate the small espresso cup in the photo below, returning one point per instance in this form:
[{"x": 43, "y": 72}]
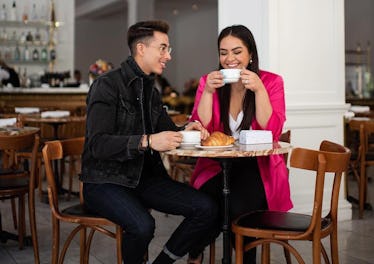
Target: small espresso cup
[
  {"x": 230, "y": 75},
  {"x": 191, "y": 136}
]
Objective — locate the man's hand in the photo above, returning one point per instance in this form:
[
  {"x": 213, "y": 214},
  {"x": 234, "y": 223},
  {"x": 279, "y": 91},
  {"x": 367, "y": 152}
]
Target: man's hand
[{"x": 166, "y": 140}]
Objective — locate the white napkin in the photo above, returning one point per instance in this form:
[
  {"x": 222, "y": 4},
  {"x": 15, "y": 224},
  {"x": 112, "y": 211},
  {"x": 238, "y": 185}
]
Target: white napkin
[
  {"x": 55, "y": 114},
  {"x": 27, "y": 110},
  {"x": 349, "y": 115},
  {"x": 7, "y": 122},
  {"x": 255, "y": 137},
  {"x": 359, "y": 108}
]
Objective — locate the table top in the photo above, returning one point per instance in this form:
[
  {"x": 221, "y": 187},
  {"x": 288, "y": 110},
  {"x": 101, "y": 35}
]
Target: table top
[
  {"x": 16, "y": 131},
  {"x": 64, "y": 119},
  {"x": 235, "y": 151}
]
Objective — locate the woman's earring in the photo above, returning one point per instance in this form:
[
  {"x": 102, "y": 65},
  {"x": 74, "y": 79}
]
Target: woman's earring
[{"x": 250, "y": 61}]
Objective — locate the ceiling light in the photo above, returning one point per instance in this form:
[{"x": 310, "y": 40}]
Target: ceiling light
[{"x": 195, "y": 7}]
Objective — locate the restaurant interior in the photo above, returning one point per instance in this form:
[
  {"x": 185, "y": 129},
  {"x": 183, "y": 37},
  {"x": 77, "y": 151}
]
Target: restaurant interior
[{"x": 57, "y": 48}]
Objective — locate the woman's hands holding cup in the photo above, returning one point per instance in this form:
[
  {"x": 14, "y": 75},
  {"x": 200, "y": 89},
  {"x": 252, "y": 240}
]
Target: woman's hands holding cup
[
  {"x": 251, "y": 80},
  {"x": 214, "y": 80}
]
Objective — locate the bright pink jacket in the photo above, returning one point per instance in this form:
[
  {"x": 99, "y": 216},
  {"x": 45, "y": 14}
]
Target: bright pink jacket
[{"x": 272, "y": 168}]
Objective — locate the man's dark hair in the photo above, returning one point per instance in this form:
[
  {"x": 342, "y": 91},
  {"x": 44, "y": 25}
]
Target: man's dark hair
[{"x": 143, "y": 31}]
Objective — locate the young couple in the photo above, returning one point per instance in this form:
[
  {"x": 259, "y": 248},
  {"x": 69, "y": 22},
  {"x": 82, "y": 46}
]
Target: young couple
[{"x": 127, "y": 127}]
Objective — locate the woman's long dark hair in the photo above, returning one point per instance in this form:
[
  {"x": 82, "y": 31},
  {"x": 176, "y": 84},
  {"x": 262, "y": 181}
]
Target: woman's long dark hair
[{"x": 224, "y": 93}]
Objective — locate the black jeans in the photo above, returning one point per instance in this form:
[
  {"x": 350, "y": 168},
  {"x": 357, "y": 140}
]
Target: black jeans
[{"x": 130, "y": 209}]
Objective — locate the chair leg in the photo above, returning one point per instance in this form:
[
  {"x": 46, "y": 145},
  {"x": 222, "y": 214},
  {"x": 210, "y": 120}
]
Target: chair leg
[
  {"x": 82, "y": 244},
  {"x": 14, "y": 212},
  {"x": 287, "y": 255},
  {"x": 239, "y": 249},
  {"x": 265, "y": 253},
  {"x": 361, "y": 191},
  {"x": 119, "y": 235},
  {"x": 21, "y": 221},
  {"x": 212, "y": 252},
  {"x": 56, "y": 239},
  {"x": 334, "y": 247},
  {"x": 34, "y": 233}
]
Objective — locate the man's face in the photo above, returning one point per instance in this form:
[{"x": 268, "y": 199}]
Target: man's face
[{"x": 153, "y": 56}]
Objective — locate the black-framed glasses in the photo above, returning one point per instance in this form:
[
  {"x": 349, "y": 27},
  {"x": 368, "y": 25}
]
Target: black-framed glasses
[{"x": 163, "y": 49}]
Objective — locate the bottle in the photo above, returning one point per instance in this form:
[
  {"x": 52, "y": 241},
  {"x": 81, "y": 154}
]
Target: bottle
[
  {"x": 52, "y": 54},
  {"x": 53, "y": 14},
  {"x": 3, "y": 13},
  {"x": 37, "y": 37},
  {"x": 13, "y": 12},
  {"x": 29, "y": 37},
  {"x": 25, "y": 14},
  {"x": 34, "y": 14},
  {"x": 44, "y": 54},
  {"x": 26, "y": 53},
  {"x": 17, "y": 54},
  {"x": 35, "y": 55}
]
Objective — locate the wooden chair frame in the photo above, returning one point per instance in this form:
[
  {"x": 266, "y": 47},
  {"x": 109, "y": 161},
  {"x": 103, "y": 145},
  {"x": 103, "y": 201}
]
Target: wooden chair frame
[
  {"x": 331, "y": 158},
  {"x": 57, "y": 150},
  {"x": 16, "y": 183}
]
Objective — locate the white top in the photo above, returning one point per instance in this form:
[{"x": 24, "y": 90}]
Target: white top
[{"x": 234, "y": 124}]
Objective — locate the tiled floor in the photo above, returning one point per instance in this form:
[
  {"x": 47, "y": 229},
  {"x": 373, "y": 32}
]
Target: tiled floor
[{"x": 356, "y": 240}]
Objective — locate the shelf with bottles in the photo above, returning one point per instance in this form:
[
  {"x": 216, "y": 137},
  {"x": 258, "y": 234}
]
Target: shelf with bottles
[{"x": 29, "y": 62}]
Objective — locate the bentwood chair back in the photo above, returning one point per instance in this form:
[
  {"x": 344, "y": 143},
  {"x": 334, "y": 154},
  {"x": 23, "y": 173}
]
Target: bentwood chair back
[
  {"x": 76, "y": 214},
  {"x": 280, "y": 227},
  {"x": 16, "y": 181}
]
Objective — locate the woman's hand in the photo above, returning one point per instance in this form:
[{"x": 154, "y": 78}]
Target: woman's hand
[
  {"x": 196, "y": 125},
  {"x": 251, "y": 81},
  {"x": 214, "y": 80}
]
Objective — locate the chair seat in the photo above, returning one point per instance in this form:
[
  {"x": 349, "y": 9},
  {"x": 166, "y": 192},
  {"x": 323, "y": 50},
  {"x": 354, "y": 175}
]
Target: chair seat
[
  {"x": 78, "y": 210},
  {"x": 15, "y": 183},
  {"x": 277, "y": 221}
]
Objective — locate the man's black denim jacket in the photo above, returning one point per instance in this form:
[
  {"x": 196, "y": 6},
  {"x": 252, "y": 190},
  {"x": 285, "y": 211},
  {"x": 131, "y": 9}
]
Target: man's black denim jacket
[{"x": 115, "y": 126}]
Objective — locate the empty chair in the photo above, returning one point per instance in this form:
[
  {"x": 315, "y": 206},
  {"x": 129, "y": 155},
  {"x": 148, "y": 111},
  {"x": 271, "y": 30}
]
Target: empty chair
[
  {"x": 280, "y": 227},
  {"x": 76, "y": 214}
]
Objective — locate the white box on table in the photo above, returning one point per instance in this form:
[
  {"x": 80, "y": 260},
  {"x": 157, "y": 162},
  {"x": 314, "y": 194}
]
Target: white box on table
[{"x": 255, "y": 137}]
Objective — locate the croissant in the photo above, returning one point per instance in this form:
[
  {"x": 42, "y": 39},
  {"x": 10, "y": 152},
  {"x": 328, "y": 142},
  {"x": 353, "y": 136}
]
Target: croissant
[{"x": 218, "y": 139}]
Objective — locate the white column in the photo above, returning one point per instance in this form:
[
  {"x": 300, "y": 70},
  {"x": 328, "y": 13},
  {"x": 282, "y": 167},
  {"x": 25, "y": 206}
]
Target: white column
[
  {"x": 138, "y": 10},
  {"x": 304, "y": 42}
]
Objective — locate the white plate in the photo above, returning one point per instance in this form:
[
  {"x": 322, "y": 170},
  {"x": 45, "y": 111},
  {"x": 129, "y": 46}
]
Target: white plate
[{"x": 213, "y": 147}]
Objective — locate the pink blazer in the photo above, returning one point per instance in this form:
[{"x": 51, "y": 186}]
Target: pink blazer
[{"x": 272, "y": 168}]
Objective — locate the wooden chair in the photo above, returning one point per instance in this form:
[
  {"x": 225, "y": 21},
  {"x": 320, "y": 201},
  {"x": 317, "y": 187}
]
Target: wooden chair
[
  {"x": 362, "y": 158},
  {"x": 279, "y": 227},
  {"x": 76, "y": 214},
  {"x": 17, "y": 181}
]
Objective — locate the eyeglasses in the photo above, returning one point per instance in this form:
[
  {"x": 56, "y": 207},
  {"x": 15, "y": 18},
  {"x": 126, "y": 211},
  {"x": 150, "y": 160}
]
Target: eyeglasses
[{"x": 163, "y": 49}]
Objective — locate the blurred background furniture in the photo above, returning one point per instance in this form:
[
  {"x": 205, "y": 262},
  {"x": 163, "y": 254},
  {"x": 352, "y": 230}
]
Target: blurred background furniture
[
  {"x": 280, "y": 227},
  {"x": 362, "y": 146},
  {"x": 18, "y": 179}
]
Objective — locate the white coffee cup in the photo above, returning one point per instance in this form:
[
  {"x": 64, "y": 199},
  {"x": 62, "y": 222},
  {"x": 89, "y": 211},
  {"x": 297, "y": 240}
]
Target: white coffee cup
[
  {"x": 191, "y": 136},
  {"x": 230, "y": 75}
]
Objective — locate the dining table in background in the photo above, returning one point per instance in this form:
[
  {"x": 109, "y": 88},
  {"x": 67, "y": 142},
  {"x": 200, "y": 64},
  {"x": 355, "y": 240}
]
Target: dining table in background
[{"x": 225, "y": 155}]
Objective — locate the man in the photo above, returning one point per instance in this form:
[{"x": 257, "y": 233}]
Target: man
[{"x": 122, "y": 170}]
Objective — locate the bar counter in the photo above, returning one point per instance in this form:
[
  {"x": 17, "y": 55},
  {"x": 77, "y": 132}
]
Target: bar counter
[{"x": 66, "y": 98}]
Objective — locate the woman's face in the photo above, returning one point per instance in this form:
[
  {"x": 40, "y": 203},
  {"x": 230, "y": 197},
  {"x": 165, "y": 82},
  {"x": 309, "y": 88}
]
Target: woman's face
[{"x": 233, "y": 53}]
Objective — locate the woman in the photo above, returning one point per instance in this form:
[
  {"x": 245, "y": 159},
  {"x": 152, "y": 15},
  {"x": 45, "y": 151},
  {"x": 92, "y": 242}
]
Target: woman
[{"x": 256, "y": 101}]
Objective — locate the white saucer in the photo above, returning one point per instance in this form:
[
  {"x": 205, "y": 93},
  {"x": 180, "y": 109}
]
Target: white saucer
[
  {"x": 189, "y": 145},
  {"x": 213, "y": 147}
]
